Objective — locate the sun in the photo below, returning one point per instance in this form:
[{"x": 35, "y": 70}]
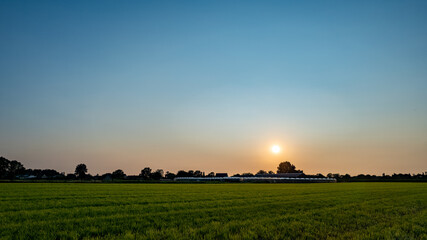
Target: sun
[{"x": 275, "y": 149}]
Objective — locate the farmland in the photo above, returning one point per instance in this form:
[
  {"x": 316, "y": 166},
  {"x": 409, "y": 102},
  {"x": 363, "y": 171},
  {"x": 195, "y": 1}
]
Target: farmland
[{"x": 213, "y": 211}]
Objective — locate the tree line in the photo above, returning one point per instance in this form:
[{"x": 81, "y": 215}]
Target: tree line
[{"x": 13, "y": 169}]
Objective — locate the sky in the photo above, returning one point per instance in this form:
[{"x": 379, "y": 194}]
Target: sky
[{"x": 340, "y": 86}]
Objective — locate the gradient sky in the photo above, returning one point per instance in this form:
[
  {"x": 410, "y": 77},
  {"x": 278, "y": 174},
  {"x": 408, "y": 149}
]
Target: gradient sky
[{"x": 341, "y": 86}]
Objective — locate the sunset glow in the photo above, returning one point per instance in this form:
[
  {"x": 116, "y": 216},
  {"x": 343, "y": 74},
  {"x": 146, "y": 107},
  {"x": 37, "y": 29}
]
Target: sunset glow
[{"x": 275, "y": 149}]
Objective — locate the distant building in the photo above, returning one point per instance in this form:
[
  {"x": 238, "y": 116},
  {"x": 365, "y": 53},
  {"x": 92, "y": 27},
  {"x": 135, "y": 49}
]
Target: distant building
[
  {"x": 264, "y": 178},
  {"x": 25, "y": 177},
  {"x": 221, "y": 175},
  {"x": 282, "y": 175},
  {"x": 257, "y": 179}
]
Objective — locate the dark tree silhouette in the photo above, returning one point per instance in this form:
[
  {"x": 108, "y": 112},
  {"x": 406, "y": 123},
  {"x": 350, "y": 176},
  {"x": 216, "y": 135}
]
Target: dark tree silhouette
[
  {"x": 247, "y": 175},
  {"x": 145, "y": 173},
  {"x": 81, "y": 170},
  {"x": 170, "y": 175},
  {"x": 10, "y": 169},
  {"x": 16, "y": 167},
  {"x": 261, "y": 172},
  {"x": 211, "y": 174},
  {"x": 198, "y": 173},
  {"x": 287, "y": 167},
  {"x": 157, "y": 175},
  {"x": 118, "y": 174},
  {"x": 182, "y": 173},
  {"x": 4, "y": 167}
]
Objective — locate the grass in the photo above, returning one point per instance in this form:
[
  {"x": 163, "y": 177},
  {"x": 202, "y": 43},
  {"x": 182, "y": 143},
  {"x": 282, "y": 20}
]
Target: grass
[{"x": 213, "y": 211}]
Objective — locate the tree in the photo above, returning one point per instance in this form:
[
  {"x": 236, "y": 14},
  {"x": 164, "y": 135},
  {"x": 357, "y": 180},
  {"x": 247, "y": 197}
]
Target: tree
[
  {"x": 287, "y": 167},
  {"x": 261, "y": 172},
  {"x": 170, "y": 175},
  {"x": 182, "y": 173},
  {"x": 81, "y": 170},
  {"x": 319, "y": 175},
  {"x": 145, "y": 173},
  {"x": 10, "y": 169},
  {"x": 211, "y": 174},
  {"x": 157, "y": 175},
  {"x": 15, "y": 168},
  {"x": 118, "y": 174},
  {"x": 4, "y": 167},
  {"x": 347, "y": 177},
  {"x": 198, "y": 173}
]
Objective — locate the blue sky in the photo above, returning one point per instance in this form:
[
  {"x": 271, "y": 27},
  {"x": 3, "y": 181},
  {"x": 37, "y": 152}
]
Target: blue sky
[{"x": 340, "y": 85}]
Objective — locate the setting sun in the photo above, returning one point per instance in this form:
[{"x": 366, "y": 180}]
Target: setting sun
[{"x": 275, "y": 149}]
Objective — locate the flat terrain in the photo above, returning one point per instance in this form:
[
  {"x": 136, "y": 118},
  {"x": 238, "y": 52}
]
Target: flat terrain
[{"x": 213, "y": 211}]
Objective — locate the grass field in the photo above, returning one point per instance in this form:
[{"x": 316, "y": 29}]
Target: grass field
[{"x": 213, "y": 211}]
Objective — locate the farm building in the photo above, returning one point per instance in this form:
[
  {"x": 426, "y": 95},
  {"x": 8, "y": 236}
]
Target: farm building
[
  {"x": 26, "y": 177},
  {"x": 266, "y": 179},
  {"x": 279, "y": 175}
]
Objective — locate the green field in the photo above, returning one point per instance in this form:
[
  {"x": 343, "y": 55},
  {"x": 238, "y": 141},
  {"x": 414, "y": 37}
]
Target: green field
[{"x": 213, "y": 211}]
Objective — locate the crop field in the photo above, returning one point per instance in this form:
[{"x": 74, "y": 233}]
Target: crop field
[{"x": 213, "y": 211}]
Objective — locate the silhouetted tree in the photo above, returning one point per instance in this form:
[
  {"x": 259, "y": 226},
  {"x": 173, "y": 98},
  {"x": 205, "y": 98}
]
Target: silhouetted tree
[
  {"x": 15, "y": 168},
  {"x": 157, "y": 175},
  {"x": 81, "y": 170},
  {"x": 170, "y": 175},
  {"x": 247, "y": 175},
  {"x": 345, "y": 178},
  {"x": 287, "y": 167},
  {"x": 4, "y": 167},
  {"x": 118, "y": 174},
  {"x": 10, "y": 169},
  {"x": 182, "y": 173},
  {"x": 211, "y": 174},
  {"x": 261, "y": 172},
  {"x": 270, "y": 172},
  {"x": 145, "y": 173},
  {"x": 198, "y": 173}
]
